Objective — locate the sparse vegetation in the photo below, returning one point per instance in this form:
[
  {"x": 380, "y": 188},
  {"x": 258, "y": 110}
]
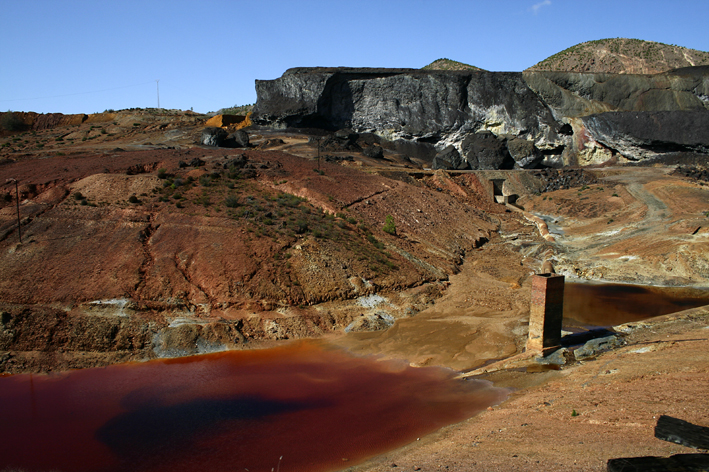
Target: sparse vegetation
[
  {"x": 205, "y": 180},
  {"x": 622, "y": 55},
  {"x": 231, "y": 201},
  {"x": 235, "y": 110},
  {"x": 389, "y": 226},
  {"x": 279, "y": 216}
]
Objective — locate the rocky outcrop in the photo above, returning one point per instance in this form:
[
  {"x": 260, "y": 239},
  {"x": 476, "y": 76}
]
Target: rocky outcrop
[
  {"x": 23, "y": 121},
  {"x": 219, "y": 137},
  {"x": 494, "y": 119},
  {"x": 484, "y": 150},
  {"x": 213, "y": 136},
  {"x": 449, "y": 158},
  {"x": 643, "y": 135},
  {"x": 573, "y": 94},
  {"x": 434, "y": 107},
  {"x": 238, "y": 138}
]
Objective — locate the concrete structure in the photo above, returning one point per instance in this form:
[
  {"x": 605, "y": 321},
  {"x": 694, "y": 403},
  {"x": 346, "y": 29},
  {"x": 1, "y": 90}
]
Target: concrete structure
[{"x": 546, "y": 312}]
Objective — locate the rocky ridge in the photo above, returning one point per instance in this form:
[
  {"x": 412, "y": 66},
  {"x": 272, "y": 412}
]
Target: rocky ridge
[{"x": 512, "y": 120}]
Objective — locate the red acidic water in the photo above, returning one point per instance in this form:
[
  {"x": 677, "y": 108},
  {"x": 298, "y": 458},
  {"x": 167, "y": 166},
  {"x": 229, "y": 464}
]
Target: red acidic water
[
  {"x": 303, "y": 407},
  {"x": 612, "y": 304}
]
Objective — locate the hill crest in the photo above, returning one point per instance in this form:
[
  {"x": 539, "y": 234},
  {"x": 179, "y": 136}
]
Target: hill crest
[
  {"x": 622, "y": 56},
  {"x": 449, "y": 64}
]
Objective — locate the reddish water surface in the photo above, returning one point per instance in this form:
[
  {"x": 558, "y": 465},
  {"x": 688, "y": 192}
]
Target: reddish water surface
[
  {"x": 316, "y": 408},
  {"x": 612, "y": 304}
]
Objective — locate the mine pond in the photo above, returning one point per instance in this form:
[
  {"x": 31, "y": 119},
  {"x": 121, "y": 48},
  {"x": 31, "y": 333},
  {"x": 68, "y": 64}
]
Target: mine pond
[
  {"x": 611, "y": 304},
  {"x": 301, "y": 407}
]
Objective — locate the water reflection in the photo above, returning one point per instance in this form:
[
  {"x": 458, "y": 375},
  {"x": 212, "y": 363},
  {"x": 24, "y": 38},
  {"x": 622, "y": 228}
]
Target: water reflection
[
  {"x": 598, "y": 304},
  {"x": 312, "y": 406}
]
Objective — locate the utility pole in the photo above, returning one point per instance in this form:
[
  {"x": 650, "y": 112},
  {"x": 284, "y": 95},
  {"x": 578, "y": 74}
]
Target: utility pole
[
  {"x": 157, "y": 82},
  {"x": 17, "y": 198}
]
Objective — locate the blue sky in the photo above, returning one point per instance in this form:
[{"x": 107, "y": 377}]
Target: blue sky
[{"x": 74, "y": 56}]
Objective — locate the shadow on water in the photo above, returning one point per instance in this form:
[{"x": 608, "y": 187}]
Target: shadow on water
[
  {"x": 135, "y": 435},
  {"x": 595, "y": 304}
]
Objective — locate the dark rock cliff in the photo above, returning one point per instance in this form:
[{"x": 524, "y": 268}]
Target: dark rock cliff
[
  {"x": 642, "y": 135},
  {"x": 530, "y": 116}
]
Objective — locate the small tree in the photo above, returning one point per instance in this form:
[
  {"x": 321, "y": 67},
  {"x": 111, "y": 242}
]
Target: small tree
[{"x": 389, "y": 226}]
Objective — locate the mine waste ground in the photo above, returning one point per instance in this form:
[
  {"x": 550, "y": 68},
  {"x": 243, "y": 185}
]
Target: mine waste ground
[{"x": 139, "y": 243}]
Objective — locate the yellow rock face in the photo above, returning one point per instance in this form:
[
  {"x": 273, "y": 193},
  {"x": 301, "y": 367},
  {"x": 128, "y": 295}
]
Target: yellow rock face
[{"x": 222, "y": 121}]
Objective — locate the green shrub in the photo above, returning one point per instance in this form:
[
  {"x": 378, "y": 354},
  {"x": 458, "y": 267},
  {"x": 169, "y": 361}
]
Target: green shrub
[
  {"x": 301, "y": 226},
  {"x": 389, "y": 226},
  {"x": 289, "y": 200},
  {"x": 378, "y": 244},
  {"x": 231, "y": 201}
]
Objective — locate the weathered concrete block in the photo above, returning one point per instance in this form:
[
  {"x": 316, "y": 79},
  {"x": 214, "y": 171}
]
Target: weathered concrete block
[{"x": 546, "y": 311}]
